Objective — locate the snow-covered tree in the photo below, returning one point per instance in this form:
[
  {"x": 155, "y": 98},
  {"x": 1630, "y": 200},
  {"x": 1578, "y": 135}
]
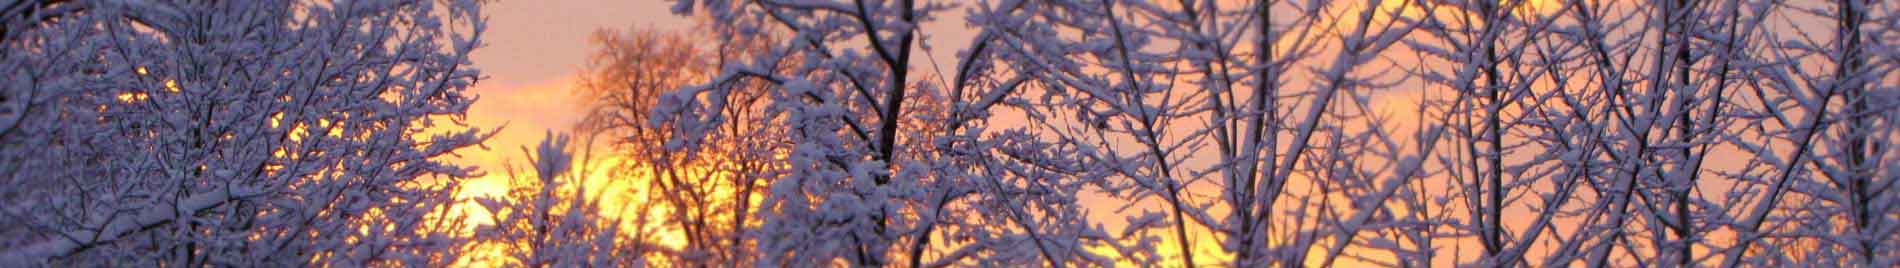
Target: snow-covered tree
[
  {"x": 1544, "y": 133},
  {"x": 886, "y": 162},
  {"x": 235, "y": 133},
  {"x": 1519, "y": 115},
  {"x": 553, "y": 218},
  {"x": 1241, "y": 132},
  {"x": 1816, "y": 120},
  {"x": 797, "y": 133},
  {"x": 1660, "y": 132}
]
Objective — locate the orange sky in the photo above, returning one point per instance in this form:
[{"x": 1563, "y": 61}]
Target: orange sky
[
  {"x": 535, "y": 49},
  {"x": 534, "y": 52}
]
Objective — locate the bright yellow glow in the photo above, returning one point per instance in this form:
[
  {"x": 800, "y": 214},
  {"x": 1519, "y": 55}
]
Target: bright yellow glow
[
  {"x": 527, "y": 110},
  {"x": 128, "y": 97},
  {"x": 276, "y": 119}
]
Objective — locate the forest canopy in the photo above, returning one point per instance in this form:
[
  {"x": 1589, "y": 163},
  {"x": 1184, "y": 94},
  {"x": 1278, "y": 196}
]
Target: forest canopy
[{"x": 1063, "y": 133}]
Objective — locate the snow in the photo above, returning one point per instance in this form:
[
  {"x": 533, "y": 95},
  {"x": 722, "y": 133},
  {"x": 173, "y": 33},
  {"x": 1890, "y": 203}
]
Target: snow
[{"x": 796, "y": 133}]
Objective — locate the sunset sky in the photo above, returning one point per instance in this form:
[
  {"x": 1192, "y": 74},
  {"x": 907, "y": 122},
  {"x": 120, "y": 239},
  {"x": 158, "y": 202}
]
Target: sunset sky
[
  {"x": 535, "y": 49},
  {"x": 949, "y": 133}
]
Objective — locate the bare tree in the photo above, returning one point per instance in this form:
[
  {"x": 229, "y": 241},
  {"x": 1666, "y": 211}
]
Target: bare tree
[{"x": 708, "y": 188}]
